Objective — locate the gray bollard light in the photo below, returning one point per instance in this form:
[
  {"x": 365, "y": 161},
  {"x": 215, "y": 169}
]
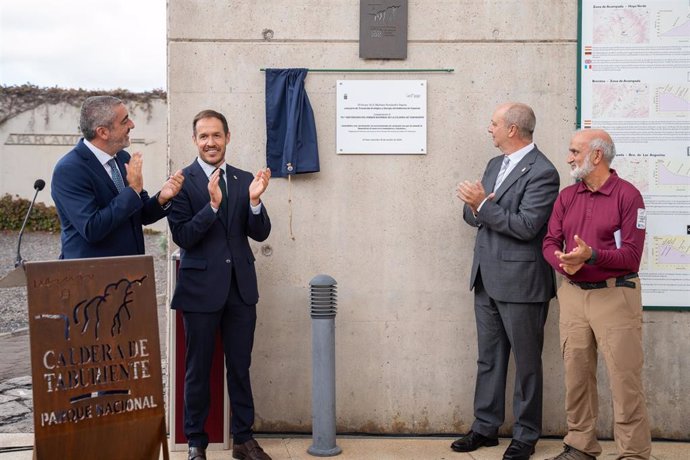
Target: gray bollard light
[{"x": 323, "y": 301}]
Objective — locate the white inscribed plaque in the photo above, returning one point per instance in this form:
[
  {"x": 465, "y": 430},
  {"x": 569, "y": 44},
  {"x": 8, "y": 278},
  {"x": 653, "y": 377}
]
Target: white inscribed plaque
[{"x": 381, "y": 116}]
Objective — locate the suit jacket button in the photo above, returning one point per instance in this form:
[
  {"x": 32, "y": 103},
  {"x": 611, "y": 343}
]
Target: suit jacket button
[{"x": 228, "y": 261}]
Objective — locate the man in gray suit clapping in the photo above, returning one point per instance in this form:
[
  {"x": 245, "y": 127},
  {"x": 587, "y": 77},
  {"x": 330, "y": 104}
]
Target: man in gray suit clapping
[{"x": 511, "y": 280}]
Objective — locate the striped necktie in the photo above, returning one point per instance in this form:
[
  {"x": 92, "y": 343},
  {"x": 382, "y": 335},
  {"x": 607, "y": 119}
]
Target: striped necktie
[
  {"x": 116, "y": 176},
  {"x": 502, "y": 172}
]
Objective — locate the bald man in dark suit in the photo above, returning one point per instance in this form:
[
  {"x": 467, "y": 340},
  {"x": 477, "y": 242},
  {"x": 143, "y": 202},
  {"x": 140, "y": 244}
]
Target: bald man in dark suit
[{"x": 512, "y": 282}]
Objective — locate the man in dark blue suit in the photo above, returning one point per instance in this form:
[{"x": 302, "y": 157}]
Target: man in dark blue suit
[
  {"x": 217, "y": 210},
  {"x": 98, "y": 188}
]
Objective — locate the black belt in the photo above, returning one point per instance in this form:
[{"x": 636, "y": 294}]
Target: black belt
[{"x": 621, "y": 281}]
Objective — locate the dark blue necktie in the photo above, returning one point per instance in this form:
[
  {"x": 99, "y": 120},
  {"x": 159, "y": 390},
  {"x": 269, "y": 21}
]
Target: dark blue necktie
[{"x": 224, "y": 191}]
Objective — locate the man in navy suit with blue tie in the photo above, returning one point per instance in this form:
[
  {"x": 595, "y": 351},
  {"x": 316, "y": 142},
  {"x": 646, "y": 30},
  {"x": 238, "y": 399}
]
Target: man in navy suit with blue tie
[
  {"x": 217, "y": 210},
  {"x": 98, "y": 188}
]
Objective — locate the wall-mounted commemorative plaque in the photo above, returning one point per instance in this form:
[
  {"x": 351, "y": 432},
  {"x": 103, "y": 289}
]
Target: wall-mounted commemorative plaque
[{"x": 383, "y": 29}]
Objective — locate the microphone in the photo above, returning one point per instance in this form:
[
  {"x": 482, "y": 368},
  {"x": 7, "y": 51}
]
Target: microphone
[{"x": 38, "y": 186}]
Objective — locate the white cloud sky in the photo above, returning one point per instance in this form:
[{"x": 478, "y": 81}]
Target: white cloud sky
[{"x": 90, "y": 44}]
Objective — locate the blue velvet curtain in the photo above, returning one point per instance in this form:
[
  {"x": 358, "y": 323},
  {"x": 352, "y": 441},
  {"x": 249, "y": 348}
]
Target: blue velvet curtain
[{"x": 291, "y": 146}]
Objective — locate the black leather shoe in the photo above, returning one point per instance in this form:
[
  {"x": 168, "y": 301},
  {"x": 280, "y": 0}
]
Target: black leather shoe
[
  {"x": 196, "y": 453},
  {"x": 518, "y": 450},
  {"x": 473, "y": 441},
  {"x": 250, "y": 450}
]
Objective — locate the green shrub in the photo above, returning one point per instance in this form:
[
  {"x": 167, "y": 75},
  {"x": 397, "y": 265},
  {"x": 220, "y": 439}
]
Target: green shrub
[{"x": 13, "y": 209}]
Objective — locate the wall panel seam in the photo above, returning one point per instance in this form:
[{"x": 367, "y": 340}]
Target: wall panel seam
[{"x": 233, "y": 40}]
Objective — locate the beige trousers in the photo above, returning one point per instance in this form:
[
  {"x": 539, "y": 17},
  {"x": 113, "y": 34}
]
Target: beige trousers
[{"x": 608, "y": 319}]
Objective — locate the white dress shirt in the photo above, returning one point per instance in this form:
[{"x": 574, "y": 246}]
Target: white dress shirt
[
  {"x": 101, "y": 156},
  {"x": 514, "y": 158},
  {"x": 208, "y": 170}
]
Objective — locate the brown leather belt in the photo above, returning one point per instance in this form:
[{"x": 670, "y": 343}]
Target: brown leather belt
[{"x": 620, "y": 281}]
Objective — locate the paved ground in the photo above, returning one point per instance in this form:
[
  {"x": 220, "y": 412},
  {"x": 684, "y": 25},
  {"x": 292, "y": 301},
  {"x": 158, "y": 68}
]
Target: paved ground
[
  {"x": 15, "y": 359},
  {"x": 16, "y": 405},
  {"x": 379, "y": 448}
]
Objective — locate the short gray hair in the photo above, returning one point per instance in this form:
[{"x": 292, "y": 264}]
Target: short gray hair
[
  {"x": 522, "y": 116},
  {"x": 608, "y": 149},
  {"x": 97, "y": 111}
]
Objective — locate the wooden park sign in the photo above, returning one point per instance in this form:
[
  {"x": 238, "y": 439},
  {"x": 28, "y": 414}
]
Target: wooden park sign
[{"x": 95, "y": 359}]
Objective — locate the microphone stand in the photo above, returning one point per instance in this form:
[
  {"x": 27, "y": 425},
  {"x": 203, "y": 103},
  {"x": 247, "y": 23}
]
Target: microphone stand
[{"x": 38, "y": 186}]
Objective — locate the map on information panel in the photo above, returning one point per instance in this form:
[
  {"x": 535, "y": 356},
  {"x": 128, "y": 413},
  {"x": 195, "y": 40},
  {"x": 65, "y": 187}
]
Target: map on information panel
[
  {"x": 614, "y": 100},
  {"x": 620, "y": 25},
  {"x": 635, "y": 83}
]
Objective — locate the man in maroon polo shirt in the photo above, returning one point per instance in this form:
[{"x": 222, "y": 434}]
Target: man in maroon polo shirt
[{"x": 595, "y": 238}]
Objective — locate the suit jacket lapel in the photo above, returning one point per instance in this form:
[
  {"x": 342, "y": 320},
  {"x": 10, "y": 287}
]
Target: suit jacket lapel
[
  {"x": 197, "y": 177},
  {"x": 521, "y": 168},
  {"x": 492, "y": 173},
  {"x": 96, "y": 166}
]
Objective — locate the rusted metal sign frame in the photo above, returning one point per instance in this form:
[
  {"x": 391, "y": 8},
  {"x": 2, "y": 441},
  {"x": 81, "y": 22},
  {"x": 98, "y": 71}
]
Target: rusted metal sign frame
[{"x": 95, "y": 359}]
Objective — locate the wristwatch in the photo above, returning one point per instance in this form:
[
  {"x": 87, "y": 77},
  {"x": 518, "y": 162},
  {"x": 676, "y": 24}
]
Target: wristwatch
[{"x": 593, "y": 259}]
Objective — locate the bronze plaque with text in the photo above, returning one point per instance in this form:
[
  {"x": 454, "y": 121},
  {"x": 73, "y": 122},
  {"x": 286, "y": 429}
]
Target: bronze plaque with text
[
  {"x": 95, "y": 359},
  {"x": 383, "y": 29}
]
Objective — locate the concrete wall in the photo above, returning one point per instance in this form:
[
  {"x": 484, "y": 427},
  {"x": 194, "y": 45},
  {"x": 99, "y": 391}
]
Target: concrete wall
[
  {"x": 389, "y": 228},
  {"x": 33, "y": 141}
]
